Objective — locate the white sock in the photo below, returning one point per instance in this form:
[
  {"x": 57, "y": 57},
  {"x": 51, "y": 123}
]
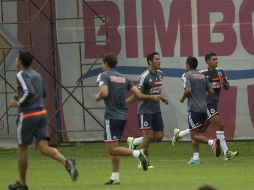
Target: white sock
[
  {"x": 138, "y": 141},
  {"x": 115, "y": 176},
  {"x": 210, "y": 142},
  {"x": 184, "y": 133},
  {"x": 223, "y": 144},
  {"x": 195, "y": 156},
  {"x": 135, "y": 153}
]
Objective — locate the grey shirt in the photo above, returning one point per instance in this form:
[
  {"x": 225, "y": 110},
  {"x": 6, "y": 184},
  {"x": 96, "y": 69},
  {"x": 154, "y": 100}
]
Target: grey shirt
[
  {"x": 31, "y": 90},
  {"x": 118, "y": 85},
  {"x": 150, "y": 84},
  {"x": 199, "y": 85}
]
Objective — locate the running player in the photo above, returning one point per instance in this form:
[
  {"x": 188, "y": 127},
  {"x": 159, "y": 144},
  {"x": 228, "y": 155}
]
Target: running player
[
  {"x": 218, "y": 78},
  {"x": 196, "y": 86},
  {"x": 112, "y": 89},
  {"x": 149, "y": 112},
  {"x": 33, "y": 120}
]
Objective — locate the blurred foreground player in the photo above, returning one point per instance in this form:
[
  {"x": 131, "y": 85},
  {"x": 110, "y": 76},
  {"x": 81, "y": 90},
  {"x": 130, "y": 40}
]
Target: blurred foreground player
[{"x": 33, "y": 120}]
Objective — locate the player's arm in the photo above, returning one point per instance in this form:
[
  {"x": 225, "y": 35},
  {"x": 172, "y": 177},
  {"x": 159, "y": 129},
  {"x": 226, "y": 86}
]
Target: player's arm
[
  {"x": 223, "y": 80},
  {"x": 209, "y": 88},
  {"x": 27, "y": 88},
  {"x": 139, "y": 95},
  {"x": 187, "y": 88},
  {"x": 102, "y": 81},
  {"x": 102, "y": 93},
  {"x": 186, "y": 94}
]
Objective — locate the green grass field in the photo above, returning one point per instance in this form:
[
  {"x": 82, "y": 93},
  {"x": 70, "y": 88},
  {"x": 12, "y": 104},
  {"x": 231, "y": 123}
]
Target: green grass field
[{"x": 170, "y": 173}]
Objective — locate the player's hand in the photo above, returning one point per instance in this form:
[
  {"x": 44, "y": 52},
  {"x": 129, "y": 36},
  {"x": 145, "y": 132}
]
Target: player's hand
[
  {"x": 16, "y": 97},
  {"x": 14, "y": 103},
  {"x": 97, "y": 97},
  {"x": 222, "y": 79},
  {"x": 156, "y": 97},
  {"x": 164, "y": 100},
  {"x": 181, "y": 100}
]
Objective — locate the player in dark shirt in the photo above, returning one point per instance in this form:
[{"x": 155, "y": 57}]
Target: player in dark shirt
[
  {"x": 149, "y": 112},
  {"x": 112, "y": 89},
  {"x": 33, "y": 120}
]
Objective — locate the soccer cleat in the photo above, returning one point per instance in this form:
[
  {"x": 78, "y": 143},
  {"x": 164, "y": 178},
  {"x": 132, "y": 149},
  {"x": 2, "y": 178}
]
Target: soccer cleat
[
  {"x": 17, "y": 186},
  {"x": 194, "y": 162},
  {"x": 130, "y": 143},
  {"x": 112, "y": 182},
  {"x": 149, "y": 166},
  {"x": 176, "y": 137},
  {"x": 230, "y": 155},
  {"x": 70, "y": 165},
  {"x": 143, "y": 159},
  {"x": 216, "y": 147}
]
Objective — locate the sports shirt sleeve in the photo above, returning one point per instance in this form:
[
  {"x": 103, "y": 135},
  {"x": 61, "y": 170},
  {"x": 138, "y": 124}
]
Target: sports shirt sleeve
[
  {"x": 208, "y": 84},
  {"x": 186, "y": 81},
  {"x": 102, "y": 79},
  {"x": 141, "y": 83},
  {"x": 27, "y": 87},
  {"x": 224, "y": 75}
]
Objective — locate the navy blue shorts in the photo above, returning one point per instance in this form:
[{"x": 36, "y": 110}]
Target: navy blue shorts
[
  {"x": 151, "y": 122},
  {"x": 113, "y": 130},
  {"x": 196, "y": 120},
  {"x": 211, "y": 111}
]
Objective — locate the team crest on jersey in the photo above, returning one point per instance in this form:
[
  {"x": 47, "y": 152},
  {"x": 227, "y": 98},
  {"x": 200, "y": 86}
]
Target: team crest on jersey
[
  {"x": 212, "y": 111},
  {"x": 145, "y": 124}
]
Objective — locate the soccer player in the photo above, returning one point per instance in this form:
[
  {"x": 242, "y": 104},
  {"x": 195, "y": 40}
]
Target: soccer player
[
  {"x": 218, "y": 78},
  {"x": 112, "y": 89},
  {"x": 196, "y": 87},
  {"x": 33, "y": 120},
  {"x": 149, "y": 112}
]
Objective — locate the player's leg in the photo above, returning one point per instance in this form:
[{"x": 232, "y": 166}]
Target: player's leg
[
  {"x": 196, "y": 121},
  {"x": 22, "y": 163},
  {"x": 215, "y": 119},
  {"x": 134, "y": 142},
  {"x": 195, "y": 159},
  {"x": 145, "y": 124},
  {"x": 24, "y": 137},
  {"x": 158, "y": 127},
  {"x": 42, "y": 137},
  {"x": 112, "y": 135}
]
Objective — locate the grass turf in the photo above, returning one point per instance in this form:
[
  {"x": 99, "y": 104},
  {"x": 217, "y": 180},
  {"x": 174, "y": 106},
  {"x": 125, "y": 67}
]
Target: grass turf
[{"x": 171, "y": 170}]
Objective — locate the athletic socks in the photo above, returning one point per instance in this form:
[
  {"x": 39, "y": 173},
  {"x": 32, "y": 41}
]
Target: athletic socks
[
  {"x": 137, "y": 141},
  {"x": 195, "y": 156},
  {"x": 115, "y": 176},
  {"x": 135, "y": 153},
  {"x": 220, "y": 135},
  {"x": 210, "y": 142},
  {"x": 184, "y": 133}
]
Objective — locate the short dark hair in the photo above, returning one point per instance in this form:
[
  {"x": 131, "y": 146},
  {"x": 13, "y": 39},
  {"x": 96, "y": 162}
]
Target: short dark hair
[
  {"x": 110, "y": 59},
  {"x": 25, "y": 57},
  {"x": 209, "y": 55},
  {"x": 192, "y": 61},
  {"x": 206, "y": 187},
  {"x": 150, "y": 56}
]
